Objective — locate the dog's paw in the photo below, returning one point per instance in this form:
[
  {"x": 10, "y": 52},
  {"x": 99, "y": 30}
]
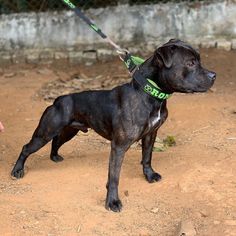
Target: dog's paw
[
  {"x": 17, "y": 174},
  {"x": 153, "y": 177},
  {"x": 114, "y": 205},
  {"x": 57, "y": 158}
]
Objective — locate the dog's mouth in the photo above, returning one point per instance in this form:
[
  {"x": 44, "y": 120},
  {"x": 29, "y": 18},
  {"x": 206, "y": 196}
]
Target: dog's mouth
[{"x": 198, "y": 90}]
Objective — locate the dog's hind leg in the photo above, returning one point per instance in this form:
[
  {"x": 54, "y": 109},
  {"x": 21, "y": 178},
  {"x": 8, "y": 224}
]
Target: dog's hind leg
[
  {"x": 34, "y": 145},
  {"x": 53, "y": 120},
  {"x": 66, "y": 134}
]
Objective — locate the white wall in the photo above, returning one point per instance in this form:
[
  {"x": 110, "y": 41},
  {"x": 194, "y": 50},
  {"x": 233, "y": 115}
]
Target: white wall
[{"x": 125, "y": 24}]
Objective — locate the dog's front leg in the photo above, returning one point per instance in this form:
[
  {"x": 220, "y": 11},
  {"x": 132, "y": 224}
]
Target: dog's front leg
[
  {"x": 147, "y": 146},
  {"x": 116, "y": 158}
]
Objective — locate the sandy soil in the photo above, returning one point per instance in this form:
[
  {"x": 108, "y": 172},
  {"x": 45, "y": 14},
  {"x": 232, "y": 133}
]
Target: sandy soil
[{"x": 199, "y": 177}]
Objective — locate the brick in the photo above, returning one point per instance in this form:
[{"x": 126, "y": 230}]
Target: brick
[
  {"x": 105, "y": 54},
  {"x": 32, "y": 56},
  {"x": 18, "y": 57},
  {"x": 234, "y": 44},
  {"x": 5, "y": 58},
  {"x": 195, "y": 43},
  {"x": 209, "y": 43},
  {"x": 90, "y": 56},
  {"x": 61, "y": 55},
  {"x": 46, "y": 56},
  {"x": 75, "y": 57},
  {"x": 224, "y": 44}
]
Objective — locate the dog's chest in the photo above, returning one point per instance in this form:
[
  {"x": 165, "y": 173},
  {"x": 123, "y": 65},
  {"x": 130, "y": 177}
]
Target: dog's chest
[{"x": 157, "y": 119}]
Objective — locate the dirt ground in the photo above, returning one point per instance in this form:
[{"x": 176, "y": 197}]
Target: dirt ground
[{"x": 199, "y": 173}]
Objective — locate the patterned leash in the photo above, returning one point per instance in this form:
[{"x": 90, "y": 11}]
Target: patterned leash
[{"x": 130, "y": 61}]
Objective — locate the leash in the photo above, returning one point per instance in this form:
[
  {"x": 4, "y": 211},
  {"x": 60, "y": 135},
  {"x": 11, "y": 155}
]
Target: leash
[{"x": 130, "y": 61}]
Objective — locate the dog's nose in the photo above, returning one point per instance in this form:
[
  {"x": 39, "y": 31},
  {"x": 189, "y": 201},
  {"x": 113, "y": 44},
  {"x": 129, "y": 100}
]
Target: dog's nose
[{"x": 211, "y": 75}]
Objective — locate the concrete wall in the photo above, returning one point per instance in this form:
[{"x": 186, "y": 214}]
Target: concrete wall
[{"x": 139, "y": 26}]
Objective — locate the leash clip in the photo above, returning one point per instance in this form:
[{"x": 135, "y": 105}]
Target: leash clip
[{"x": 122, "y": 52}]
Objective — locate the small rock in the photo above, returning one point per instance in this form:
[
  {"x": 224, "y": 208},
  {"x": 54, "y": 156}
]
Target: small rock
[
  {"x": 44, "y": 71},
  {"x": 9, "y": 75},
  {"x": 79, "y": 229},
  {"x": 126, "y": 193},
  {"x": 216, "y": 222},
  {"x": 213, "y": 90},
  {"x": 155, "y": 210},
  {"x": 203, "y": 213},
  {"x": 186, "y": 228}
]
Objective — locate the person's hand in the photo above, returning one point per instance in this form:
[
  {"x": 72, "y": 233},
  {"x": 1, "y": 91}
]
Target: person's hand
[{"x": 1, "y": 127}]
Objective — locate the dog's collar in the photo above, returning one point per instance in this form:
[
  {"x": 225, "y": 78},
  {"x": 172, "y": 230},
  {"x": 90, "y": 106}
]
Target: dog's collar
[{"x": 149, "y": 86}]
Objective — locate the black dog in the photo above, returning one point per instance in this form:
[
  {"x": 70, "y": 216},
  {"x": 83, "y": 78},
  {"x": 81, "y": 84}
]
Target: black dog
[{"x": 124, "y": 114}]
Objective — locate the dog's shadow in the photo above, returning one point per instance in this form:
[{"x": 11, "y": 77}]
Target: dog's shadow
[{"x": 98, "y": 162}]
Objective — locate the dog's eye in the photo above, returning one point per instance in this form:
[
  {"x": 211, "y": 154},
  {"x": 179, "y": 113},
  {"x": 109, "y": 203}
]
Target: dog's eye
[{"x": 191, "y": 63}]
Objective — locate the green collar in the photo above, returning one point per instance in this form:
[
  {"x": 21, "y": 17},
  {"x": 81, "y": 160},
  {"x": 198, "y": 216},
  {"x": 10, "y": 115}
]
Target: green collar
[
  {"x": 149, "y": 86},
  {"x": 152, "y": 89}
]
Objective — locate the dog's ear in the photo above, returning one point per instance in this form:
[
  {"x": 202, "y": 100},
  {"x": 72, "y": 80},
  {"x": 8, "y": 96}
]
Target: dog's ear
[
  {"x": 164, "y": 55},
  {"x": 174, "y": 41}
]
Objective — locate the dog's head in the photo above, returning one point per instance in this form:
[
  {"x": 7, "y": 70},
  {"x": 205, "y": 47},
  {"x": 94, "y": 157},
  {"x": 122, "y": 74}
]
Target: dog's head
[{"x": 180, "y": 70}]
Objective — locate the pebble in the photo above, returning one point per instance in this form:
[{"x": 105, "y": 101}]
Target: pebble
[
  {"x": 79, "y": 229},
  {"x": 186, "y": 228},
  {"x": 44, "y": 71},
  {"x": 203, "y": 213},
  {"x": 216, "y": 222},
  {"x": 213, "y": 90},
  {"x": 9, "y": 75},
  {"x": 155, "y": 210},
  {"x": 126, "y": 193}
]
